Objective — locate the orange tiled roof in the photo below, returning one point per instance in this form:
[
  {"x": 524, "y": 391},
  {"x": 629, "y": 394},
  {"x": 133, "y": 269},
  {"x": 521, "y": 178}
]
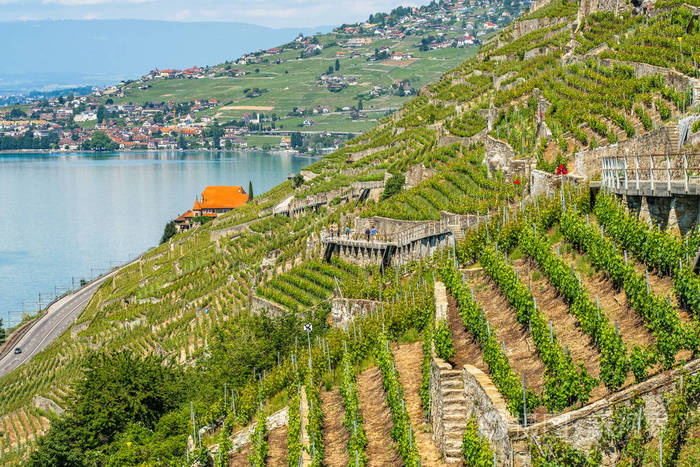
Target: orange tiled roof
[
  {"x": 181, "y": 218},
  {"x": 218, "y": 197}
]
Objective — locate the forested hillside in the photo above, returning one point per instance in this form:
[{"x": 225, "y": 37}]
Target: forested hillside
[{"x": 555, "y": 300}]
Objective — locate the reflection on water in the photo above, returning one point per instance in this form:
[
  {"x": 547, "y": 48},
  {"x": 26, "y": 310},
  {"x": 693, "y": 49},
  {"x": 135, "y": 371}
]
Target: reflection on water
[{"x": 67, "y": 216}]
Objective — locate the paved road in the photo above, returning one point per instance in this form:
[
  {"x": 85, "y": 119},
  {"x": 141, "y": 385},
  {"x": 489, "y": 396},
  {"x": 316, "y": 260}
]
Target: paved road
[{"x": 52, "y": 324}]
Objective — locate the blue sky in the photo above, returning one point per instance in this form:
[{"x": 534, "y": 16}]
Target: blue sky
[{"x": 272, "y": 13}]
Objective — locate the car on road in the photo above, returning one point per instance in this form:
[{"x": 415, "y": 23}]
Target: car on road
[{"x": 18, "y": 350}]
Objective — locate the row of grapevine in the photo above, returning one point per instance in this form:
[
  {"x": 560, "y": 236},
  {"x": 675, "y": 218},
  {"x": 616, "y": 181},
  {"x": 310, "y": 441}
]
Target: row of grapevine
[
  {"x": 401, "y": 431},
  {"x": 658, "y": 249},
  {"x": 315, "y": 426},
  {"x": 593, "y": 321},
  {"x": 565, "y": 383},
  {"x": 659, "y": 316},
  {"x": 352, "y": 419},
  {"x": 502, "y": 374}
]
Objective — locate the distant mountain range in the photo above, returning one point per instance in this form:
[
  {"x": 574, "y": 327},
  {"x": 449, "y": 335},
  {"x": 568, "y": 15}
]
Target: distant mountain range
[{"x": 48, "y": 55}]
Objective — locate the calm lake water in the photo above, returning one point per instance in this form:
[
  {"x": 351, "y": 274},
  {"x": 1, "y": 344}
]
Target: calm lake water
[{"x": 71, "y": 216}]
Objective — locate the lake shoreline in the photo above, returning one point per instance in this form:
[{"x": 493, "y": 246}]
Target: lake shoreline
[
  {"x": 38, "y": 152},
  {"x": 75, "y": 199}
]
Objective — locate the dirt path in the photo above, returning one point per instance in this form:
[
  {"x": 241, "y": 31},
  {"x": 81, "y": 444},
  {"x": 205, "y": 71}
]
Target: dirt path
[
  {"x": 377, "y": 419},
  {"x": 565, "y": 325},
  {"x": 467, "y": 349},
  {"x": 335, "y": 436},
  {"x": 613, "y": 302},
  {"x": 520, "y": 348},
  {"x": 241, "y": 458},
  {"x": 408, "y": 358},
  {"x": 277, "y": 440}
]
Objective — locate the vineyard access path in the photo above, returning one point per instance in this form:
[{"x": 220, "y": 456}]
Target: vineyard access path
[
  {"x": 409, "y": 359},
  {"x": 467, "y": 349},
  {"x": 565, "y": 325},
  {"x": 376, "y": 419},
  {"x": 520, "y": 347},
  {"x": 613, "y": 302},
  {"x": 335, "y": 436},
  {"x": 241, "y": 457},
  {"x": 277, "y": 440}
]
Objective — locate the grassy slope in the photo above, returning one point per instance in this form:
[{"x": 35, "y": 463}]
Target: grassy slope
[{"x": 298, "y": 87}]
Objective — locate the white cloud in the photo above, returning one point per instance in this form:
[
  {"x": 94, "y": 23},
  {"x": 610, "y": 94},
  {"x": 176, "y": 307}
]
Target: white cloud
[{"x": 91, "y": 2}]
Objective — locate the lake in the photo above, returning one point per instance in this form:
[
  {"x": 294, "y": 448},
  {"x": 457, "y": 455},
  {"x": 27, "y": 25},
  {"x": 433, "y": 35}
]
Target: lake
[{"x": 69, "y": 216}]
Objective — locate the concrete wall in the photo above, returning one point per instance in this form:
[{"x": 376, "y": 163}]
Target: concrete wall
[{"x": 687, "y": 210}]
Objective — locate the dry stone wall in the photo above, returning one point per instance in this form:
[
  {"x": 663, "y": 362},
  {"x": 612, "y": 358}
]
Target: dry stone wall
[
  {"x": 385, "y": 226},
  {"x": 587, "y": 163},
  {"x": 344, "y": 310},
  {"x": 581, "y": 428}
]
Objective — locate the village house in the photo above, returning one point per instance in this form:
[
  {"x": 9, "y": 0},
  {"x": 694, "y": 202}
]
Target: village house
[{"x": 214, "y": 200}]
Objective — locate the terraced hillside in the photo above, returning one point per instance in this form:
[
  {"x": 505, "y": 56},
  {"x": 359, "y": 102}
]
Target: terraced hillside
[{"x": 550, "y": 302}]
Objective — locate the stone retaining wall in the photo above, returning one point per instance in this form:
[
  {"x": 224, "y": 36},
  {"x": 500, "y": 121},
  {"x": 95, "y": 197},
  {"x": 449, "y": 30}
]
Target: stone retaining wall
[
  {"x": 493, "y": 420},
  {"x": 587, "y": 163},
  {"x": 581, "y": 428},
  {"x": 344, "y": 310},
  {"x": 260, "y": 305}
]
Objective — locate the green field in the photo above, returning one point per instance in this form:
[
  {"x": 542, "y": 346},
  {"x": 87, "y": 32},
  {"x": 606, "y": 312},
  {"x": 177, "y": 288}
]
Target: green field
[{"x": 294, "y": 83}]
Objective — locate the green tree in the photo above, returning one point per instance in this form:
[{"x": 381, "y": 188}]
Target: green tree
[
  {"x": 298, "y": 180},
  {"x": 168, "y": 232},
  {"x": 250, "y": 190},
  {"x": 182, "y": 142},
  {"x": 17, "y": 113},
  {"x": 359, "y": 105},
  {"x": 114, "y": 391},
  {"x": 296, "y": 140},
  {"x": 158, "y": 117},
  {"x": 337, "y": 64},
  {"x": 3, "y": 336},
  {"x": 100, "y": 114},
  {"x": 99, "y": 141},
  {"x": 394, "y": 185}
]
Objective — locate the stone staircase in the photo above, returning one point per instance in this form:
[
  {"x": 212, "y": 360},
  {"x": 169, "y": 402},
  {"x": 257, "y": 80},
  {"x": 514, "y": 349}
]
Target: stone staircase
[
  {"x": 454, "y": 414},
  {"x": 674, "y": 138},
  {"x": 457, "y": 232}
]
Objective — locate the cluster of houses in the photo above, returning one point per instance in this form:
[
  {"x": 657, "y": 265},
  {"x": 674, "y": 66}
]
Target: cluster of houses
[
  {"x": 155, "y": 126},
  {"x": 71, "y": 122},
  {"x": 457, "y": 23}
]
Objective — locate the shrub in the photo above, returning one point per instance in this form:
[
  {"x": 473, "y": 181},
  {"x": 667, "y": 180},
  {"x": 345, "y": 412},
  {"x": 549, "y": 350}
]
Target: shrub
[
  {"x": 442, "y": 338},
  {"x": 476, "y": 450},
  {"x": 394, "y": 185}
]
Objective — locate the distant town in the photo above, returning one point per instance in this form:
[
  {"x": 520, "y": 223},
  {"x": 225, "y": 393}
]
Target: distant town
[{"x": 115, "y": 118}]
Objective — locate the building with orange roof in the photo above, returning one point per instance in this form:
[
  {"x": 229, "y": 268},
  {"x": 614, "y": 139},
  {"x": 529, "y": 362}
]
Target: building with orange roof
[
  {"x": 214, "y": 200},
  {"x": 220, "y": 199}
]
